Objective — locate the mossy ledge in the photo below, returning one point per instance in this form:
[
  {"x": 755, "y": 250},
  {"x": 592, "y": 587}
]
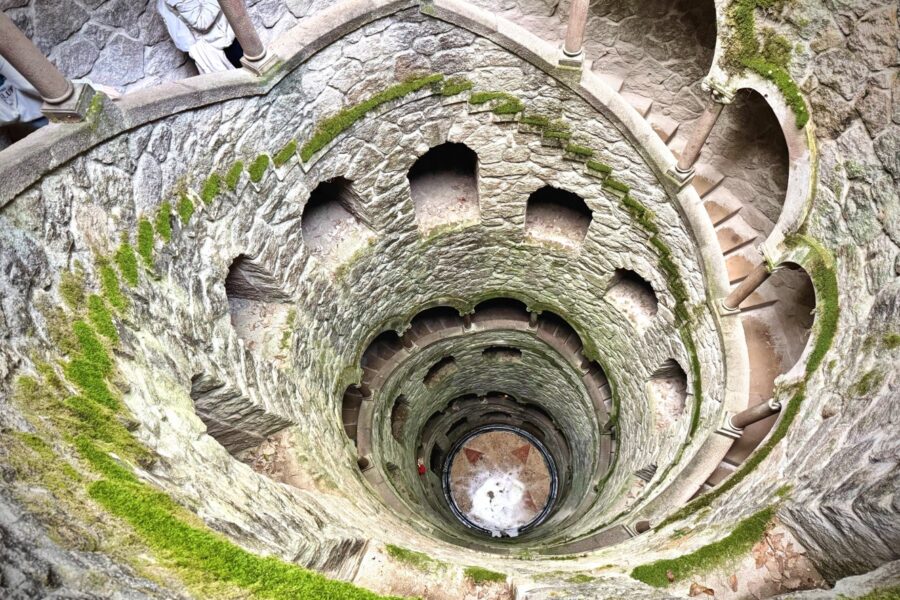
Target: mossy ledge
[
  {"x": 480, "y": 575},
  {"x": 734, "y": 545},
  {"x": 333, "y": 126}
]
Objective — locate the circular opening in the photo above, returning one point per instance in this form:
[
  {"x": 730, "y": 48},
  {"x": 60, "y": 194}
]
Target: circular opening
[{"x": 500, "y": 481}]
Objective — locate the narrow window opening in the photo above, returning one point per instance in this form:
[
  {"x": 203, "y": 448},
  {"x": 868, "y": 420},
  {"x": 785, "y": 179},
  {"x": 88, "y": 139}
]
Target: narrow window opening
[
  {"x": 502, "y": 354},
  {"x": 634, "y": 297},
  {"x": 399, "y": 415},
  {"x": 258, "y": 308},
  {"x": 668, "y": 392},
  {"x": 440, "y": 370}
]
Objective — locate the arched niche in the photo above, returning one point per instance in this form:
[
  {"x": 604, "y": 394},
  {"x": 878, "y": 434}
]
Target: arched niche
[
  {"x": 443, "y": 185},
  {"x": 668, "y": 390},
  {"x": 258, "y": 307},
  {"x": 634, "y": 297},
  {"x": 333, "y": 224},
  {"x": 557, "y": 216},
  {"x": 350, "y": 407}
]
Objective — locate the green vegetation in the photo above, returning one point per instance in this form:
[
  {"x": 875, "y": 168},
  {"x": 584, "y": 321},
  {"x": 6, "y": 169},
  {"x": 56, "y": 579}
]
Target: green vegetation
[
  {"x": 71, "y": 288},
  {"x": 615, "y": 184},
  {"x": 418, "y": 560},
  {"x": 333, "y": 126},
  {"x": 288, "y": 329},
  {"x": 258, "y": 168},
  {"x": 127, "y": 262},
  {"x": 731, "y": 547},
  {"x": 600, "y": 167},
  {"x": 185, "y": 209},
  {"x": 211, "y": 188},
  {"x": 101, "y": 319},
  {"x": 891, "y": 341},
  {"x": 163, "y": 224},
  {"x": 233, "y": 176},
  {"x": 820, "y": 268},
  {"x": 285, "y": 154},
  {"x": 535, "y": 120},
  {"x": 563, "y": 136},
  {"x": 89, "y": 368},
  {"x": 890, "y": 593},
  {"x": 455, "y": 85},
  {"x": 867, "y": 383},
  {"x": 479, "y": 576},
  {"x": 505, "y": 104},
  {"x": 145, "y": 241},
  {"x": 109, "y": 285},
  {"x": 579, "y": 150},
  {"x": 768, "y": 59},
  {"x": 580, "y": 578}
]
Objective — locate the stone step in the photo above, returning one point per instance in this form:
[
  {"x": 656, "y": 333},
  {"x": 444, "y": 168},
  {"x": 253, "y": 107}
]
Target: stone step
[
  {"x": 665, "y": 127},
  {"x": 721, "y": 205},
  {"x": 642, "y": 104},
  {"x": 612, "y": 81},
  {"x": 731, "y": 239},
  {"x": 706, "y": 178}
]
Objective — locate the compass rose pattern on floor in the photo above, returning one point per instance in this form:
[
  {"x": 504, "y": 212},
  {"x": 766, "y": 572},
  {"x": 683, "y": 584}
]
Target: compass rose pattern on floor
[{"x": 499, "y": 481}]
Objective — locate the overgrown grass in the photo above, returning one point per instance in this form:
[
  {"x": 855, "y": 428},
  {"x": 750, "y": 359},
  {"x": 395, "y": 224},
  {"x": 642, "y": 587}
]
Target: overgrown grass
[
  {"x": 145, "y": 241},
  {"x": 418, "y": 560},
  {"x": 479, "y": 575},
  {"x": 888, "y": 593},
  {"x": 729, "y": 548},
  {"x": 287, "y": 151},
  {"x": 163, "y": 222},
  {"x": 127, "y": 262},
  {"x": 233, "y": 176},
  {"x": 185, "y": 209},
  {"x": 770, "y": 59},
  {"x": 258, "y": 168},
  {"x": 211, "y": 188},
  {"x": 820, "y": 268},
  {"x": 333, "y": 126}
]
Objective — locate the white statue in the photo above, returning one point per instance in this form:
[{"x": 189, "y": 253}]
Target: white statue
[
  {"x": 199, "y": 28},
  {"x": 19, "y": 102}
]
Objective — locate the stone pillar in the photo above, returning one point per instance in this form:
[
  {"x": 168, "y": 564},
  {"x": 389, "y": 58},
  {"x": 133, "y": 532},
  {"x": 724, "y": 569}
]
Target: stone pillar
[
  {"x": 573, "y": 47},
  {"x": 256, "y": 58},
  {"x": 63, "y": 101},
  {"x": 684, "y": 169},
  {"x": 754, "y": 414},
  {"x": 750, "y": 283}
]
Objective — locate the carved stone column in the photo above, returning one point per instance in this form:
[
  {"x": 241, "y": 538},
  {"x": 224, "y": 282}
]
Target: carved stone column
[
  {"x": 756, "y": 413},
  {"x": 573, "y": 47},
  {"x": 63, "y": 100},
  {"x": 256, "y": 58},
  {"x": 754, "y": 279},
  {"x": 684, "y": 169}
]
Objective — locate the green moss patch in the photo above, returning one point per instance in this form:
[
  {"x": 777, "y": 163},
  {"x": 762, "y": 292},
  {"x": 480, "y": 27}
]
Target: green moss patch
[
  {"x": 769, "y": 58},
  {"x": 615, "y": 184},
  {"x": 599, "y": 167},
  {"x": 233, "y": 176},
  {"x": 891, "y": 341},
  {"x": 71, "y": 288},
  {"x": 284, "y": 155},
  {"x": 867, "y": 383},
  {"x": 145, "y": 241},
  {"x": 455, "y": 85},
  {"x": 100, "y": 318},
  {"x": 418, "y": 560},
  {"x": 109, "y": 285},
  {"x": 163, "y": 222},
  {"x": 333, "y": 126},
  {"x": 579, "y": 150},
  {"x": 211, "y": 188},
  {"x": 126, "y": 259},
  {"x": 185, "y": 209},
  {"x": 258, "y": 168},
  {"x": 733, "y": 546},
  {"x": 479, "y": 576},
  {"x": 535, "y": 120},
  {"x": 504, "y": 103}
]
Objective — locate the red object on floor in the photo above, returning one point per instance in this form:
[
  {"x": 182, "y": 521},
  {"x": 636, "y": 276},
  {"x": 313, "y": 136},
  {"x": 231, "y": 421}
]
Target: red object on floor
[{"x": 421, "y": 469}]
